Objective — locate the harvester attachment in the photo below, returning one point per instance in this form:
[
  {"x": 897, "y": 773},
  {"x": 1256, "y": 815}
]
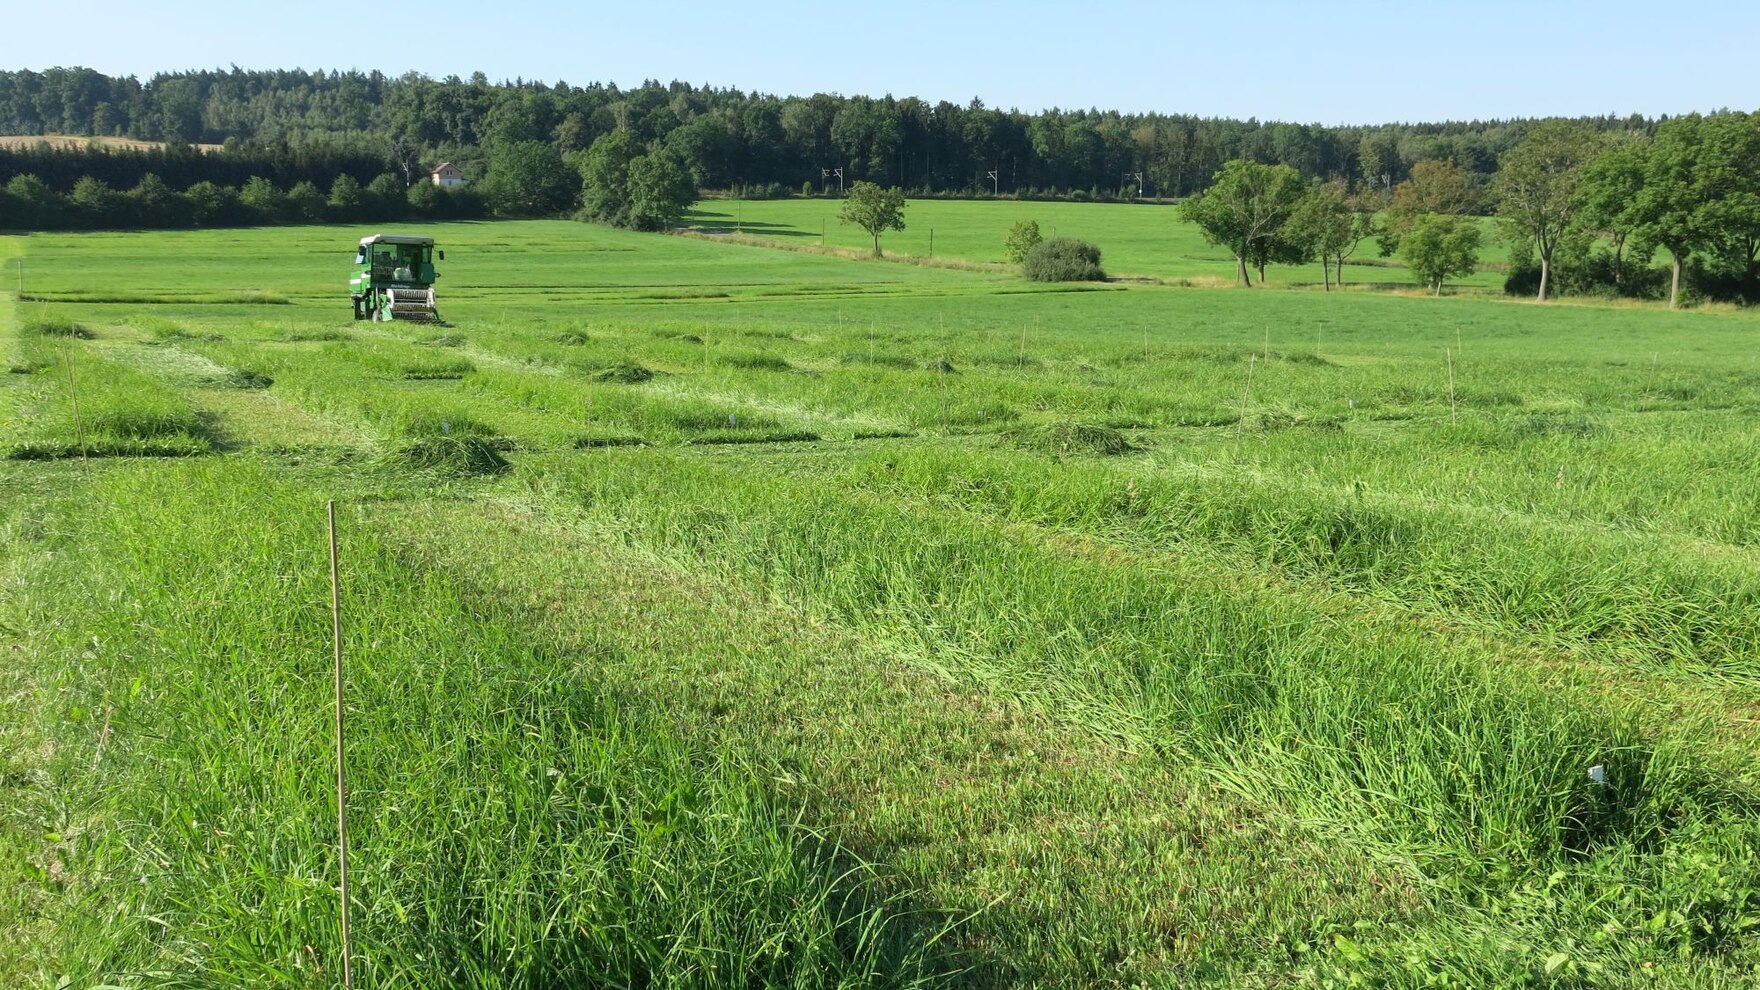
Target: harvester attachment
[{"x": 414, "y": 305}]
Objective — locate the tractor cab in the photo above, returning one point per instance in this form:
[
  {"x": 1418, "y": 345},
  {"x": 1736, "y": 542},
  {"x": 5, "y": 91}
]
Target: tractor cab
[{"x": 394, "y": 278}]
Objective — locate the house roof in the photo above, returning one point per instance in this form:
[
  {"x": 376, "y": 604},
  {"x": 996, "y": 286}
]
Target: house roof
[{"x": 443, "y": 166}]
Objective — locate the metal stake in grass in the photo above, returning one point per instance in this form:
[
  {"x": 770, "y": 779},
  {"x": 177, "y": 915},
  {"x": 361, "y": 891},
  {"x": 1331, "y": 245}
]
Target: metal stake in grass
[
  {"x": 1241, "y": 424},
  {"x": 941, "y": 371},
  {"x": 79, "y": 426},
  {"x": 341, "y": 778},
  {"x": 1449, "y": 356}
]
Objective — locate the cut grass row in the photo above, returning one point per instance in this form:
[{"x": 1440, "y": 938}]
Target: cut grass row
[
  {"x": 1430, "y": 752},
  {"x": 1638, "y": 598}
]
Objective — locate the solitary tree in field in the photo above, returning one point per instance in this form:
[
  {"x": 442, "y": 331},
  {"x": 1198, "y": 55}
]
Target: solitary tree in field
[
  {"x": 1438, "y": 247},
  {"x": 873, "y": 209},
  {"x": 1537, "y": 187},
  {"x": 1021, "y": 239},
  {"x": 1245, "y": 208}
]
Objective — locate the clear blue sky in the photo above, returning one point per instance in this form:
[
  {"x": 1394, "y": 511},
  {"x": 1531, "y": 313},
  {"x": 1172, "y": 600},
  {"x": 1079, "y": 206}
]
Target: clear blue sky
[{"x": 1347, "y": 61}]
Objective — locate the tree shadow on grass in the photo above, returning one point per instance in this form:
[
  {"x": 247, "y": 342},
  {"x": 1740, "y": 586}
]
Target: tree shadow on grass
[{"x": 721, "y": 223}]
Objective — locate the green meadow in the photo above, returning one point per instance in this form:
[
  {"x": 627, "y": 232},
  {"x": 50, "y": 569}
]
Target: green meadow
[
  {"x": 717, "y": 614},
  {"x": 1137, "y": 240}
]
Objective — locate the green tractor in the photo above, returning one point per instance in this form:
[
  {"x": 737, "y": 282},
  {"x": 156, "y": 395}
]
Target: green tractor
[{"x": 394, "y": 279}]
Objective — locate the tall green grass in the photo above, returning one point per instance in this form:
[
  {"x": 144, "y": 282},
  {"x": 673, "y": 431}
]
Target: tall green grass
[
  {"x": 76, "y": 403},
  {"x": 1629, "y": 595},
  {"x": 510, "y": 825},
  {"x": 1431, "y": 751}
]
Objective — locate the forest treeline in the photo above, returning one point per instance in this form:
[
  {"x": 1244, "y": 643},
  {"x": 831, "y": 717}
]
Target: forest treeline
[
  {"x": 1587, "y": 203},
  {"x": 294, "y": 125}
]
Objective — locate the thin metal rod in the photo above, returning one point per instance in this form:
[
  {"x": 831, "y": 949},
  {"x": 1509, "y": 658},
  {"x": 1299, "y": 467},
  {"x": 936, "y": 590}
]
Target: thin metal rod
[
  {"x": 1449, "y": 355},
  {"x": 341, "y": 778},
  {"x": 1252, "y": 361},
  {"x": 79, "y": 424}
]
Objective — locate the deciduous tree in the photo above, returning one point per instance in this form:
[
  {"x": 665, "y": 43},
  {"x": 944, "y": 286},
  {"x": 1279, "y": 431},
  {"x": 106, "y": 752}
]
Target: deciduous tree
[
  {"x": 1669, "y": 207},
  {"x": 1247, "y": 205},
  {"x": 873, "y": 209},
  {"x": 1021, "y": 238},
  {"x": 527, "y": 178},
  {"x": 605, "y": 177},
  {"x": 660, "y": 190},
  {"x": 1438, "y": 247},
  {"x": 1329, "y": 225},
  {"x": 1536, "y": 187},
  {"x": 1436, "y": 186},
  {"x": 1608, "y": 197}
]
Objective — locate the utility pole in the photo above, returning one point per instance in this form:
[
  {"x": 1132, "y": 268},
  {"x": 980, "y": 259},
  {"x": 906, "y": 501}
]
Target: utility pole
[
  {"x": 1128, "y": 176},
  {"x": 839, "y": 173},
  {"x": 995, "y": 183}
]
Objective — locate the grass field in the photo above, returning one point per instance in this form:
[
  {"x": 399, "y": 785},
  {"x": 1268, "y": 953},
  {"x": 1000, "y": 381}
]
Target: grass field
[
  {"x": 77, "y": 141},
  {"x": 724, "y": 615},
  {"x": 1136, "y": 240}
]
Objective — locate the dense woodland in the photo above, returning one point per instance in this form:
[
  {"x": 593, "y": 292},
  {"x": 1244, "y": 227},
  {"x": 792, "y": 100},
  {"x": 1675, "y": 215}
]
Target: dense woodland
[
  {"x": 1587, "y": 203},
  {"x": 315, "y": 125}
]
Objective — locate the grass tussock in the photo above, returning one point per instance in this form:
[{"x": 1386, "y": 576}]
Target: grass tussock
[
  {"x": 447, "y": 455},
  {"x": 258, "y": 297},
  {"x": 861, "y": 358},
  {"x": 1273, "y": 420},
  {"x": 442, "y": 340},
  {"x": 244, "y": 379},
  {"x": 733, "y": 437},
  {"x": 1067, "y": 439},
  {"x": 308, "y": 335},
  {"x": 596, "y": 442},
  {"x": 623, "y": 374},
  {"x": 54, "y": 326},
  {"x": 753, "y": 361}
]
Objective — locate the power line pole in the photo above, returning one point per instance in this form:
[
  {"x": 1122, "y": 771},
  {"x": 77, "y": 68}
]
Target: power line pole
[{"x": 995, "y": 183}]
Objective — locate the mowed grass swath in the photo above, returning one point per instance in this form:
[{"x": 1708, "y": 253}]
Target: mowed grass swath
[{"x": 723, "y": 614}]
